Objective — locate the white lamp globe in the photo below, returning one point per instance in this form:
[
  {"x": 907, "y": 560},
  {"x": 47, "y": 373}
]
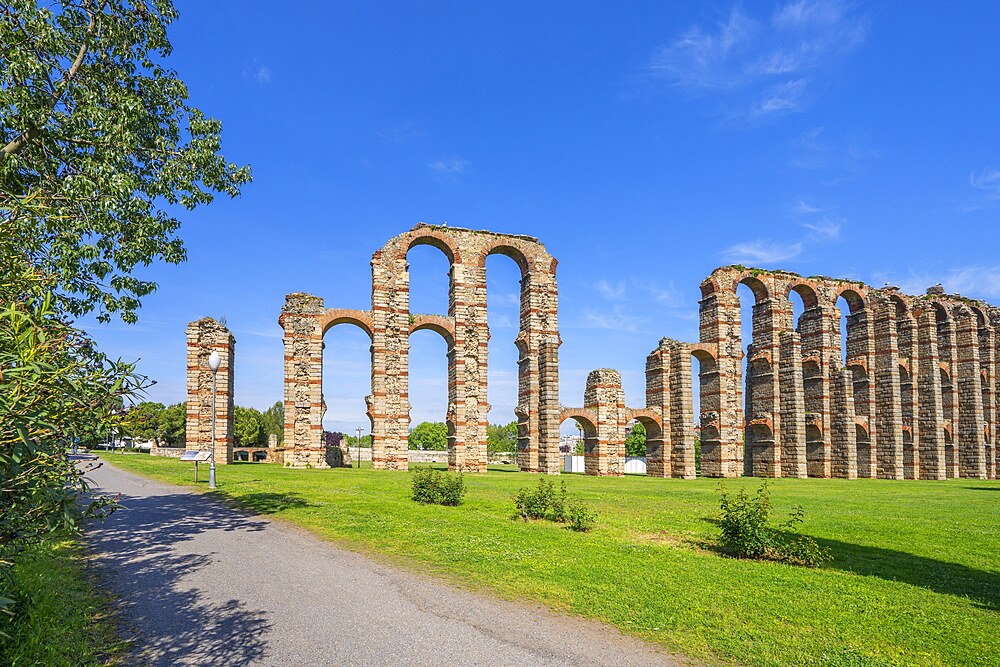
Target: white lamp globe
[{"x": 214, "y": 360}]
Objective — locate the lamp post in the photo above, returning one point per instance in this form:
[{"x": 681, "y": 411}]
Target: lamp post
[
  {"x": 214, "y": 360},
  {"x": 358, "y": 431}
]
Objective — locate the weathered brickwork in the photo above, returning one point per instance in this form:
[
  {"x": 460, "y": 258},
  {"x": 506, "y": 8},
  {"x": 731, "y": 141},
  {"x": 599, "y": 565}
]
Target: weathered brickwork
[
  {"x": 203, "y": 337},
  {"x": 389, "y": 324},
  {"x": 915, "y": 398},
  {"x": 914, "y": 395}
]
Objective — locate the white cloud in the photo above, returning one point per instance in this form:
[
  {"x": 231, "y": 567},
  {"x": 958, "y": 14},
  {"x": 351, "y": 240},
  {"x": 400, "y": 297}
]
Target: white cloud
[
  {"x": 972, "y": 281},
  {"x": 826, "y": 228},
  {"x": 802, "y": 207},
  {"x": 611, "y": 292},
  {"x": 263, "y": 75},
  {"x": 761, "y": 252},
  {"x": 615, "y": 319},
  {"x": 782, "y": 97},
  {"x": 760, "y": 64},
  {"x": 987, "y": 182},
  {"x": 398, "y": 134},
  {"x": 452, "y": 166}
]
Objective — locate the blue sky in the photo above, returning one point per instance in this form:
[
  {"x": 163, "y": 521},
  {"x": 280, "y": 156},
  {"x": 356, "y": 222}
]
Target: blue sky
[{"x": 643, "y": 145}]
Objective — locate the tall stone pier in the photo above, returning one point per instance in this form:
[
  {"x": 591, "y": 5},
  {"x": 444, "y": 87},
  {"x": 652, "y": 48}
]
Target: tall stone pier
[{"x": 205, "y": 336}]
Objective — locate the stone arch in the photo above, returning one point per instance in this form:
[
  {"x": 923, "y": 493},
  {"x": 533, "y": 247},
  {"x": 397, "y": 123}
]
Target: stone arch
[
  {"x": 855, "y": 301},
  {"x": 522, "y": 258},
  {"x": 756, "y": 285},
  {"x": 434, "y": 237},
  {"x": 806, "y": 291},
  {"x": 359, "y": 318},
  {"x": 439, "y": 324}
]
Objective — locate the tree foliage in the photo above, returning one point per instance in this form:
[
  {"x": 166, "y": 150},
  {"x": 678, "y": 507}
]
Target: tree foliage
[
  {"x": 54, "y": 387},
  {"x": 248, "y": 427},
  {"x": 98, "y": 146},
  {"x": 429, "y": 435},
  {"x": 274, "y": 422},
  {"x": 635, "y": 441},
  {"x": 501, "y": 438}
]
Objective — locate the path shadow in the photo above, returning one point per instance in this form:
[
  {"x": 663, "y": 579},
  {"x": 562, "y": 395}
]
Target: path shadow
[
  {"x": 982, "y": 488},
  {"x": 272, "y": 503},
  {"x": 980, "y": 586},
  {"x": 140, "y": 556}
]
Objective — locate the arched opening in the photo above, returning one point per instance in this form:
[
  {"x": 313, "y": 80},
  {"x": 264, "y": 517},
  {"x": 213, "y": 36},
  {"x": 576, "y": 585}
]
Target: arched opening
[
  {"x": 864, "y": 443},
  {"x": 578, "y": 440},
  {"x": 428, "y": 381},
  {"x": 503, "y": 315},
  {"x": 347, "y": 380},
  {"x": 429, "y": 270},
  {"x": 906, "y": 341},
  {"x": 705, "y": 380}
]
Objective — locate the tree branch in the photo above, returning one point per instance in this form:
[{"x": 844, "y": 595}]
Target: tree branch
[{"x": 33, "y": 131}]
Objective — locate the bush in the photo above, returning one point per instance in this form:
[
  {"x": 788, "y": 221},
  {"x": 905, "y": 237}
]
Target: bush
[
  {"x": 747, "y": 533},
  {"x": 433, "y": 487},
  {"x": 544, "y": 502}
]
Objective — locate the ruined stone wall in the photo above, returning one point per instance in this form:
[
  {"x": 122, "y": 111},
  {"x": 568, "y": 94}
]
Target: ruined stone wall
[
  {"x": 466, "y": 333},
  {"x": 203, "y": 337},
  {"x": 915, "y": 398}
]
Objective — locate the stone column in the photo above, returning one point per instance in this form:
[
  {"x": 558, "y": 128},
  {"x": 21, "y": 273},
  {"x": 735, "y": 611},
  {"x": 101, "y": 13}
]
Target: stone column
[
  {"x": 762, "y": 454},
  {"x": 604, "y": 396},
  {"x": 817, "y": 347},
  {"x": 909, "y": 391},
  {"x": 658, "y": 453},
  {"x": 304, "y": 407},
  {"x": 971, "y": 441},
  {"x": 949, "y": 389},
  {"x": 793, "y": 413},
  {"x": 549, "y": 456},
  {"x": 843, "y": 443},
  {"x": 468, "y": 409},
  {"x": 203, "y": 337},
  {"x": 721, "y": 384},
  {"x": 994, "y": 315},
  {"x": 987, "y": 365},
  {"x": 539, "y": 322},
  {"x": 931, "y": 412},
  {"x": 681, "y": 417},
  {"x": 888, "y": 416},
  {"x": 389, "y": 403},
  {"x": 861, "y": 363}
]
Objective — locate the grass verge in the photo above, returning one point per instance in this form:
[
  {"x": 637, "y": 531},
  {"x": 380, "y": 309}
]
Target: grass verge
[
  {"x": 60, "y": 618},
  {"x": 915, "y": 578}
]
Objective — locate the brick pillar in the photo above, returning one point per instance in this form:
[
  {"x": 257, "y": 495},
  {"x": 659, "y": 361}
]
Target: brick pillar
[
  {"x": 762, "y": 454},
  {"x": 681, "y": 413},
  {"x": 604, "y": 396},
  {"x": 304, "y": 408},
  {"x": 817, "y": 347},
  {"x": 721, "y": 385},
  {"x": 888, "y": 418},
  {"x": 389, "y": 402},
  {"x": 994, "y": 314},
  {"x": 971, "y": 441},
  {"x": 203, "y": 337},
  {"x": 931, "y": 412},
  {"x": 549, "y": 456},
  {"x": 658, "y": 451},
  {"x": 947, "y": 351},
  {"x": 468, "y": 409},
  {"x": 987, "y": 365},
  {"x": 793, "y": 413},
  {"x": 843, "y": 443},
  {"x": 861, "y": 363},
  {"x": 539, "y": 321},
  {"x": 909, "y": 391}
]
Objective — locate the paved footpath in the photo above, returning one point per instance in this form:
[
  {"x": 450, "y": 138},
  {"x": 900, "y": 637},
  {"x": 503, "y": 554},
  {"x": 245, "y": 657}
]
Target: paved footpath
[{"x": 203, "y": 584}]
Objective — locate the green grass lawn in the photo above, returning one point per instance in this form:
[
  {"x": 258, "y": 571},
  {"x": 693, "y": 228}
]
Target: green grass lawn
[
  {"x": 915, "y": 578},
  {"x": 60, "y": 618}
]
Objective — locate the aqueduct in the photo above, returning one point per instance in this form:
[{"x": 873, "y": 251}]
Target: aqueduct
[{"x": 915, "y": 396}]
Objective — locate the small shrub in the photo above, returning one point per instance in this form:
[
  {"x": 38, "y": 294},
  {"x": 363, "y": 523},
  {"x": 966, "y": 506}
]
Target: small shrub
[
  {"x": 747, "y": 533},
  {"x": 544, "y": 502},
  {"x": 433, "y": 487}
]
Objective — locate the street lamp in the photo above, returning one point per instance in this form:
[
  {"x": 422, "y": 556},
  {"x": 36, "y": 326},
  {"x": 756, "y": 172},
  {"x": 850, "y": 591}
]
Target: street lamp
[
  {"x": 358, "y": 431},
  {"x": 214, "y": 360}
]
